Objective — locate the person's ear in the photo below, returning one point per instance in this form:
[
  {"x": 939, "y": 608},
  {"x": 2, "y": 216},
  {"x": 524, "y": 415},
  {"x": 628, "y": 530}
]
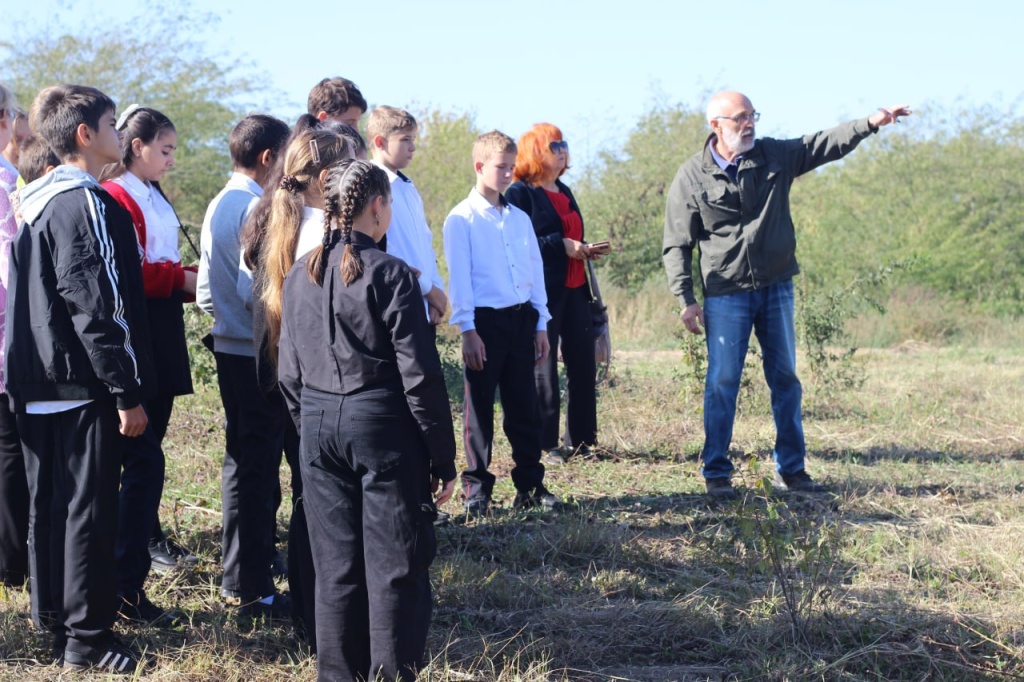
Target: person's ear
[
  {"x": 83, "y": 135},
  {"x": 266, "y": 158},
  {"x": 321, "y": 115},
  {"x": 379, "y": 142},
  {"x": 478, "y": 166},
  {"x": 137, "y": 147},
  {"x": 378, "y": 204},
  {"x": 323, "y": 178}
]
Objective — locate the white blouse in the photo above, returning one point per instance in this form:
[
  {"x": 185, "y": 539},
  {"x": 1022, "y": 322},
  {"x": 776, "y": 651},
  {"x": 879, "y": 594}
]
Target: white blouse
[{"x": 161, "y": 222}]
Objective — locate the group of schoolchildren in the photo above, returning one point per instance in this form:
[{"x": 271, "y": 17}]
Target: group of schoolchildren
[{"x": 318, "y": 268}]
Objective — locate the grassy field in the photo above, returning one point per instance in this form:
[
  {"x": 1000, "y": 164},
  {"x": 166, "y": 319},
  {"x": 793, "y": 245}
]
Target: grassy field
[{"x": 913, "y": 569}]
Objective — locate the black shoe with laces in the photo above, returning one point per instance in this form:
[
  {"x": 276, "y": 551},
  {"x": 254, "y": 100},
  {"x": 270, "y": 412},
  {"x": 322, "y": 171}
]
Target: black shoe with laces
[
  {"x": 115, "y": 658},
  {"x": 538, "y": 497},
  {"x": 166, "y": 555},
  {"x": 800, "y": 482},
  {"x": 141, "y": 611}
]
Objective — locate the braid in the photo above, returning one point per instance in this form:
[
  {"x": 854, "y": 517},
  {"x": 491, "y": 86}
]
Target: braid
[
  {"x": 350, "y": 187},
  {"x": 317, "y": 264},
  {"x": 353, "y": 203}
]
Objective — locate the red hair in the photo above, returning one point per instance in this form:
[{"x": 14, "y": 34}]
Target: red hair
[{"x": 533, "y": 148}]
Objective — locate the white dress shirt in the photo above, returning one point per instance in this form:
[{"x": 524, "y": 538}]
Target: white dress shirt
[
  {"x": 162, "y": 223},
  {"x": 493, "y": 260},
  {"x": 409, "y": 236},
  {"x": 311, "y": 231}
]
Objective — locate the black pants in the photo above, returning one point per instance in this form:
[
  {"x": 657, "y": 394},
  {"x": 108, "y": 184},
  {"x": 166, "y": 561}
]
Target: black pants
[
  {"x": 254, "y": 426},
  {"x": 365, "y": 474},
  {"x": 571, "y": 324},
  {"x": 301, "y": 573},
  {"x": 508, "y": 336},
  {"x": 142, "y": 484},
  {"x": 73, "y": 460},
  {"x": 13, "y": 501}
]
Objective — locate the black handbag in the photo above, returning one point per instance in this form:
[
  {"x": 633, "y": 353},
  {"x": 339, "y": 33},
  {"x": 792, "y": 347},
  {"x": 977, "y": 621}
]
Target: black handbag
[{"x": 599, "y": 311}]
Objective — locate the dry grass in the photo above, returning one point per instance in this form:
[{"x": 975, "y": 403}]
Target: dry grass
[{"x": 642, "y": 579}]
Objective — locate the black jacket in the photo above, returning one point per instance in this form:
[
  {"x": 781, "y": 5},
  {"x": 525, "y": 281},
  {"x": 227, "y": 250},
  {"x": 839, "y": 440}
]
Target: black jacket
[
  {"x": 547, "y": 225},
  {"x": 76, "y": 310},
  {"x": 372, "y": 333}
]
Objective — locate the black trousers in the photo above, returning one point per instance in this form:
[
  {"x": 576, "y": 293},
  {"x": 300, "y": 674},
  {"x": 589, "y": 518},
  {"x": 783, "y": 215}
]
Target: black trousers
[
  {"x": 73, "y": 460},
  {"x": 13, "y": 501},
  {"x": 254, "y": 430},
  {"x": 508, "y": 336},
  {"x": 142, "y": 484},
  {"x": 366, "y": 490},
  {"x": 301, "y": 573},
  {"x": 571, "y": 325}
]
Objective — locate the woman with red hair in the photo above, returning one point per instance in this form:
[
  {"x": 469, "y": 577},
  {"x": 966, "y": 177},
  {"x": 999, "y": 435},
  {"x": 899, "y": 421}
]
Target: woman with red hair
[{"x": 542, "y": 158}]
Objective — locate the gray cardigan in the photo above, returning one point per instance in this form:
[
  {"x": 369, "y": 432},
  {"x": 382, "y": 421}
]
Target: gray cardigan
[{"x": 223, "y": 288}]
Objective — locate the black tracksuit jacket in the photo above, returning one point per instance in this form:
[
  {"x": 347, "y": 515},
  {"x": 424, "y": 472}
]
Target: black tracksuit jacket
[{"x": 76, "y": 309}]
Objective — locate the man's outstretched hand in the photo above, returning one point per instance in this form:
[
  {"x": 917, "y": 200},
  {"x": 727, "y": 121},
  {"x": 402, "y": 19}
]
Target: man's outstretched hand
[{"x": 886, "y": 115}]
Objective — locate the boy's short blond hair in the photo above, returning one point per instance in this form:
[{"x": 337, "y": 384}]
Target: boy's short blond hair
[
  {"x": 494, "y": 142},
  {"x": 386, "y": 121}
]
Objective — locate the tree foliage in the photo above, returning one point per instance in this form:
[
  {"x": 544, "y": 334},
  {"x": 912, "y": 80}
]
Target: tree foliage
[
  {"x": 159, "y": 59},
  {"x": 623, "y": 197},
  {"x": 442, "y": 167},
  {"x": 951, "y": 197}
]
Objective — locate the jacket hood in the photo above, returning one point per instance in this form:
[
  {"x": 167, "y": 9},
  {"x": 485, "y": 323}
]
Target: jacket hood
[{"x": 36, "y": 195}]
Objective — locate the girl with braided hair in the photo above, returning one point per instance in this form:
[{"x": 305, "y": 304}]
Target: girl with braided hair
[{"x": 362, "y": 379}]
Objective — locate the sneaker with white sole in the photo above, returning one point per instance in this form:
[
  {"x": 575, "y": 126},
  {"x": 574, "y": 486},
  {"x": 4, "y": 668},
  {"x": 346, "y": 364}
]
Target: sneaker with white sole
[{"x": 115, "y": 658}]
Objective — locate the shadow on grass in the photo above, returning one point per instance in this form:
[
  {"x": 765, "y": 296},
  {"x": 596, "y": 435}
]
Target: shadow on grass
[
  {"x": 894, "y": 452},
  {"x": 591, "y": 595}
]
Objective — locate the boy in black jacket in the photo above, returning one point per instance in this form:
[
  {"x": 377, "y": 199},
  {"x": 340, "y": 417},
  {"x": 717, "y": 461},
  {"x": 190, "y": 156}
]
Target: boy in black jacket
[{"x": 77, "y": 365}]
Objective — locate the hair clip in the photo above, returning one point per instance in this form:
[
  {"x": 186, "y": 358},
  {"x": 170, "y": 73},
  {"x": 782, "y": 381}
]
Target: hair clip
[
  {"x": 314, "y": 149},
  {"x": 122, "y": 121}
]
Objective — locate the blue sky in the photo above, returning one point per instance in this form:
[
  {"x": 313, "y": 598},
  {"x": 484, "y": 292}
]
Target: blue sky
[{"x": 593, "y": 68}]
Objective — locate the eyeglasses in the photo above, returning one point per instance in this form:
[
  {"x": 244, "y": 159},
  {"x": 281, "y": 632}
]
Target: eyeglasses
[
  {"x": 740, "y": 119},
  {"x": 558, "y": 146}
]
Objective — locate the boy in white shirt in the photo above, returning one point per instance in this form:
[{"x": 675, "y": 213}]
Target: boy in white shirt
[
  {"x": 496, "y": 282},
  {"x": 392, "y": 138}
]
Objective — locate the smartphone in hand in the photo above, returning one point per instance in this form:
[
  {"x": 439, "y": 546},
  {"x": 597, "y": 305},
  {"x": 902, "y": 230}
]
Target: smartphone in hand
[{"x": 600, "y": 247}]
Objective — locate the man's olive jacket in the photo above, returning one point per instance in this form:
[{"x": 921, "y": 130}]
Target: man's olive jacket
[{"x": 744, "y": 229}]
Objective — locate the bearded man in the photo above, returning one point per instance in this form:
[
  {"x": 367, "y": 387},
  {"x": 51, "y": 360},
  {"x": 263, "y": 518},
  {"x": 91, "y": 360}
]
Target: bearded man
[{"x": 732, "y": 201}]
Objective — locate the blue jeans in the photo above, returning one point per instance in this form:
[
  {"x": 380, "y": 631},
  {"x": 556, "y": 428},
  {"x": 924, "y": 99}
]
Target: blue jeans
[{"x": 729, "y": 320}]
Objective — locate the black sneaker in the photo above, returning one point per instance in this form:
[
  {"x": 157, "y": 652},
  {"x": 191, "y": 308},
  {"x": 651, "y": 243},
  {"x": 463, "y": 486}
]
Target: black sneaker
[
  {"x": 478, "y": 506},
  {"x": 553, "y": 457},
  {"x": 800, "y": 482},
  {"x": 721, "y": 489},
  {"x": 167, "y": 555},
  {"x": 279, "y": 608},
  {"x": 116, "y": 659},
  {"x": 538, "y": 497},
  {"x": 141, "y": 611}
]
